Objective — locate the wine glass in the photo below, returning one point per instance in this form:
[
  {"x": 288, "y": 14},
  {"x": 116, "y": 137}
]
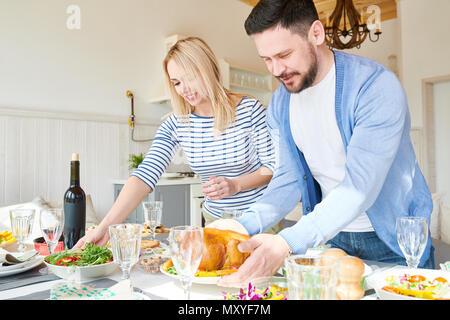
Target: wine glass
[
  {"x": 21, "y": 225},
  {"x": 125, "y": 245},
  {"x": 51, "y": 222},
  {"x": 412, "y": 237},
  {"x": 232, "y": 214},
  {"x": 152, "y": 214},
  {"x": 186, "y": 250}
]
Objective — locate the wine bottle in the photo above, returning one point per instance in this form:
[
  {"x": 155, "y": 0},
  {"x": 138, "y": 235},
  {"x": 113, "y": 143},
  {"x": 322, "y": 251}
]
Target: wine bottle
[{"x": 74, "y": 206}]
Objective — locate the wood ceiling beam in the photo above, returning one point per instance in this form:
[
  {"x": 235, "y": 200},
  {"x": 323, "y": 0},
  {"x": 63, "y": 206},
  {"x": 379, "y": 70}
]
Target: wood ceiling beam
[{"x": 326, "y": 7}]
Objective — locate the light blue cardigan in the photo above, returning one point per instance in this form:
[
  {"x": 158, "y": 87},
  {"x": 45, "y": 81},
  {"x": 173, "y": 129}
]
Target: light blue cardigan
[{"x": 382, "y": 176}]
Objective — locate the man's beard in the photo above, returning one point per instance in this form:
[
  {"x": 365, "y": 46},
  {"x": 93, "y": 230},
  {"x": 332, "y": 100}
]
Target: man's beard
[{"x": 308, "y": 79}]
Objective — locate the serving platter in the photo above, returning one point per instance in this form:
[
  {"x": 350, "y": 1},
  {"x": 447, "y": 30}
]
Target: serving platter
[
  {"x": 198, "y": 280},
  {"x": 377, "y": 280}
]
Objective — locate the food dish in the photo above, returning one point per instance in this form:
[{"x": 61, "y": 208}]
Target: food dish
[
  {"x": 149, "y": 244},
  {"x": 221, "y": 249},
  {"x": 201, "y": 276},
  {"x": 6, "y": 238},
  {"x": 198, "y": 280},
  {"x": 162, "y": 250},
  {"x": 19, "y": 268},
  {"x": 81, "y": 274},
  {"x": 147, "y": 232},
  {"x": 388, "y": 278},
  {"x": 80, "y": 265},
  {"x": 264, "y": 288}
]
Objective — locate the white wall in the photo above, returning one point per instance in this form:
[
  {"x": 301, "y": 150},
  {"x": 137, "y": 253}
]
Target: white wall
[
  {"x": 63, "y": 91},
  {"x": 425, "y": 49},
  {"x": 442, "y": 135},
  {"x": 387, "y": 45},
  {"x": 120, "y": 46}
]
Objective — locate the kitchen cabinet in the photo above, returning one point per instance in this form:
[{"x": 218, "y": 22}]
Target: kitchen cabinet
[
  {"x": 257, "y": 84},
  {"x": 260, "y": 85},
  {"x": 181, "y": 205}
]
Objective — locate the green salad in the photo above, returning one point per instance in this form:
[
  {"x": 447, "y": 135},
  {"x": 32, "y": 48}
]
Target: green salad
[{"x": 89, "y": 255}]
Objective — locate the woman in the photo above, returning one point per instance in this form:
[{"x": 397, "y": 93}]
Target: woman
[{"x": 223, "y": 135}]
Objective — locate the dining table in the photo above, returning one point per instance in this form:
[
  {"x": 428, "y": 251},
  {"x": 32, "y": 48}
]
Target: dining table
[{"x": 37, "y": 285}]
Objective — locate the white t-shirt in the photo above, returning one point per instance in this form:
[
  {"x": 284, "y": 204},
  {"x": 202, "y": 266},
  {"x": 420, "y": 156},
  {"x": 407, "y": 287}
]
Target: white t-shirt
[{"x": 316, "y": 133}]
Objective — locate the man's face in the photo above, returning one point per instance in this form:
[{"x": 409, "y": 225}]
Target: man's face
[{"x": 288, "y": 56}]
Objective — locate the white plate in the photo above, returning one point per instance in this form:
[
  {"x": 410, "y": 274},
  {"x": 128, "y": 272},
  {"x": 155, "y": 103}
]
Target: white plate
[
  {"x": 199, "y": 280},
  {"x": 378, "y": 280},
  {"x": 33, "y": 262}
]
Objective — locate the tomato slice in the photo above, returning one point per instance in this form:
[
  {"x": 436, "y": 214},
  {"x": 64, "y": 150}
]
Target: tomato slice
[
  {"x": 66, "y": 261},
  {"x": 440, "y": 279},
  {"x": 416, "y": 278}
]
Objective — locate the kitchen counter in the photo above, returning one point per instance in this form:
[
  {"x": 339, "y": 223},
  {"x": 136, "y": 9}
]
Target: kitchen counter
[
  {"x": 182, "y": 197},
  {"x": 167, "y": 180}
]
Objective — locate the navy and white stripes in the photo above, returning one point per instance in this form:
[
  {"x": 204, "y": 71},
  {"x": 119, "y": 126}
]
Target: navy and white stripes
[{"x": 241, "y": 149}]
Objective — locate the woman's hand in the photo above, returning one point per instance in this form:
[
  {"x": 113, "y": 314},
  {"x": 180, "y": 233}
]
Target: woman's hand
[
  {"x": 220, "y": 187},
  {"x": 98, "y": 236}
]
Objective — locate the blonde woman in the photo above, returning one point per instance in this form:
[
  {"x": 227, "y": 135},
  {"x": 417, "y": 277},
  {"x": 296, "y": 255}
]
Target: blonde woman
[{"x": 223, "y": 135}]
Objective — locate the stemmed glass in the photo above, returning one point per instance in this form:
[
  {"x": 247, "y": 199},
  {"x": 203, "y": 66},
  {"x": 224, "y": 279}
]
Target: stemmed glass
[
  {"x": 186, "y": 250},
  {"x": 412, "y": 237},
  {"x": 125, "y": 246},
  {"x": 51, "y": 222},
  {"x": 152, "y": 214},
  {"x": 21, "y": 225}
]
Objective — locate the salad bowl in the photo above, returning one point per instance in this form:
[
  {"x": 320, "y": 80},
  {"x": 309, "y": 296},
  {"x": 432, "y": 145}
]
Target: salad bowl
[{"x": 87, "y": 264}]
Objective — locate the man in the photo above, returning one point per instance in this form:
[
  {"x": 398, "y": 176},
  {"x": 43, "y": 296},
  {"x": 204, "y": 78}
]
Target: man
[{"x": 342, "y": 126}]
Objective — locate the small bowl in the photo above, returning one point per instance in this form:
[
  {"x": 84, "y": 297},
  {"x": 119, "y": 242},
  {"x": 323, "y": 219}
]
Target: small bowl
[
  {"x": 41, "y": 246},
  {"x": 151, "y": 263}
]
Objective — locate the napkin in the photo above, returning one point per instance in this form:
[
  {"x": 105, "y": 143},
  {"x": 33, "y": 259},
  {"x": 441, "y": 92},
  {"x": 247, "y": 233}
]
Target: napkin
[
  {"x": 445, "y": 266},
  {"x": 9, "y": 258},
  {"x": 77, "y": 291}
]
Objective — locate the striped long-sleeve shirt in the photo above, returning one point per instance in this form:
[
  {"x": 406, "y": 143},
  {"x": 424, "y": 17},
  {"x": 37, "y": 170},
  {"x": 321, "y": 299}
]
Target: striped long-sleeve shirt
[{"x": 242, "y": 148}]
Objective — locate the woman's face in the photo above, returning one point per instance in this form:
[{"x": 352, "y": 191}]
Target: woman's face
[{"x": 190, "y": 87}]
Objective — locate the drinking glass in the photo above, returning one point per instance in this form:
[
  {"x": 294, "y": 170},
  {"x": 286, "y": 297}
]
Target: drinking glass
[
  {"x": 309, "y": 279},
  {"x": 231, "y": 214},
  {"x": 21, "y": 225},
  {"x": 51, "y": 222},
  {"x": 152, "y": 214},
  {"x": 412, "y": 237},
  {"x": 186, "y": 250},
  {"x": 125, "y": 245}
]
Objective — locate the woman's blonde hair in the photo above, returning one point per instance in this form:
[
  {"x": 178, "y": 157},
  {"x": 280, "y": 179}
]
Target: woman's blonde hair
[{"x": 197, "y": 60}]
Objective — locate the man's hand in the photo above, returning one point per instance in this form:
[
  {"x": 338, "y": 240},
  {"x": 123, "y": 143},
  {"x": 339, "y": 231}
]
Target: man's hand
[
  {"x": 220, "y": 187},
  {"x": 98, "y": 236},
  {"x": 267, "y": 256}
]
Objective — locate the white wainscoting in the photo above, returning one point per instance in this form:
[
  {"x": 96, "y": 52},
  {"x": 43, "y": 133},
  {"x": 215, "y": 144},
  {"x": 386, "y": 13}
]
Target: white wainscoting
[{"x": 36, "y": 149}]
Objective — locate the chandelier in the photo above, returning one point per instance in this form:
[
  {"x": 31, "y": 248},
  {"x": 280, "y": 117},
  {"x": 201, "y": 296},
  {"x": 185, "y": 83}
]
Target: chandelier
[{"x": 345, "y": 28}]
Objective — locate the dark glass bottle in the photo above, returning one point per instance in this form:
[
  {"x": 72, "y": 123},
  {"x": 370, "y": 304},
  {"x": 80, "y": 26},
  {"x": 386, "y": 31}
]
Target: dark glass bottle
[{"x": 74, "y": 206}]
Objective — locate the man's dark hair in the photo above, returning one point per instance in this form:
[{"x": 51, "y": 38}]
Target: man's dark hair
[{"x": 295, "y": 15}]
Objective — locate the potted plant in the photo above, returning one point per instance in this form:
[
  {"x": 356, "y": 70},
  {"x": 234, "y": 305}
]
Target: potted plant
[{"x": 135, "y": 160}]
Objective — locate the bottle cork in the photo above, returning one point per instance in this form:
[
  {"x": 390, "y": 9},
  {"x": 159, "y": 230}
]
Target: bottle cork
[{"x": 75, "y": 157}]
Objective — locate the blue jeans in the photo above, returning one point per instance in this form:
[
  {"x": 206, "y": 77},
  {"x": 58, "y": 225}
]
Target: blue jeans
[{"x": 367, "y": 246}]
